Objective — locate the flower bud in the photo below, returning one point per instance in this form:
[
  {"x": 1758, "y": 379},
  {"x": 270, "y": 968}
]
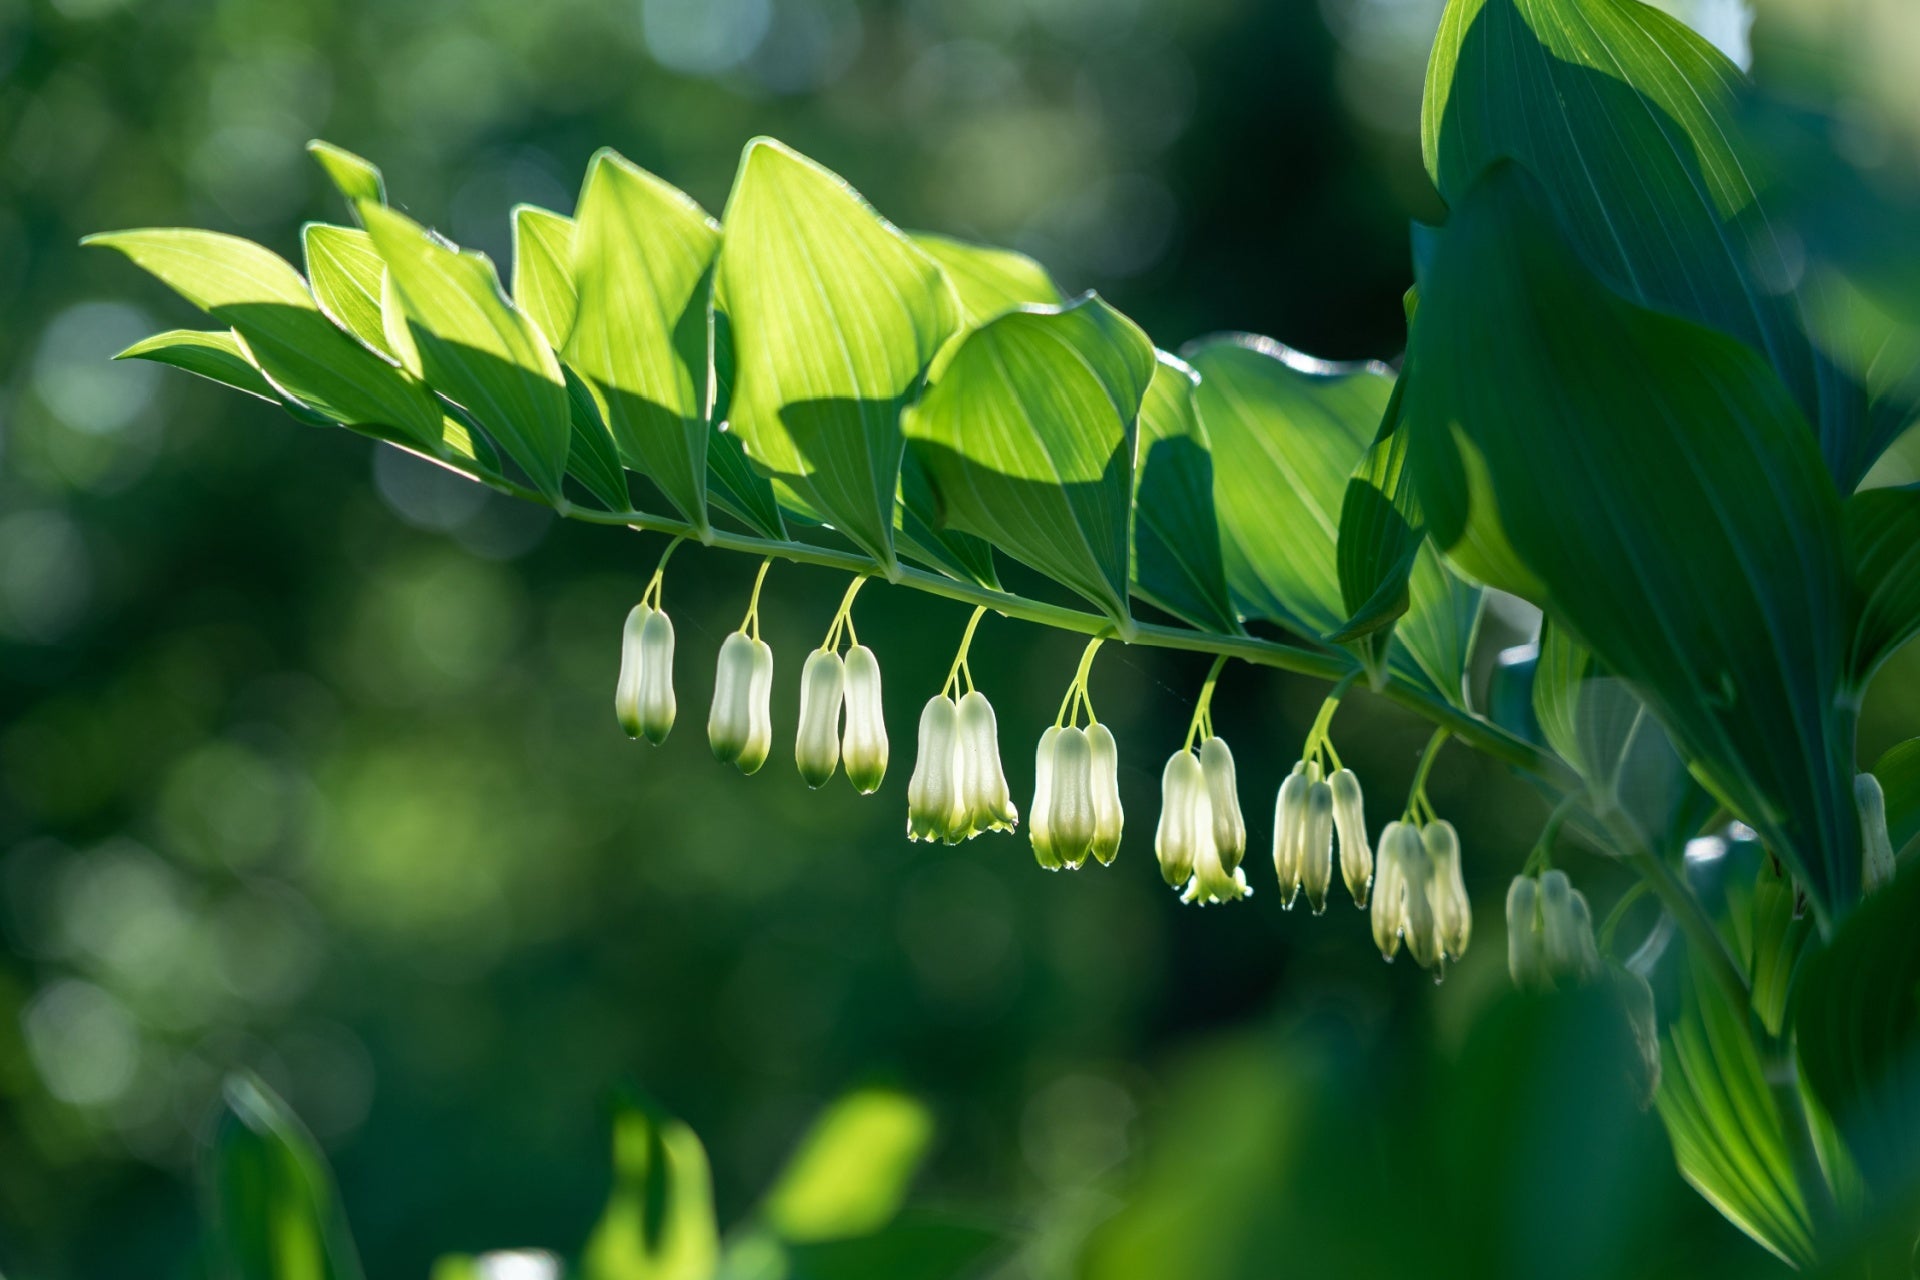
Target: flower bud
[
  {"x": 1566, "y": 932},
  {"x": 1418, "y": 917},
  {"x": 1108, "y": 818},
  {"x": 1350, "y": 820},
  {"x": 983, "y": 802},
  {"x": 1453, "y": 913},
  {"x": 933, "y": 791},
  {"x": 1877, "y": 867},
  {"x": 823, "y": 686},
  {"x": 1316, "y": 845},
  {"x": 863, "y": 744},
  {"x": 1223, "y": 797},
  {"x": 1070, "y": 819},
  {"x": 1186, "y": 820},
  {"x": 1389, "y": 892},
  {"x": 1290, "y": 828},
  {"x": 643, "y": 696},
  {"x": 740, "y": 726},
  {"x": 1038, "y": 828},
  {"x": 1526, "y": 954}
]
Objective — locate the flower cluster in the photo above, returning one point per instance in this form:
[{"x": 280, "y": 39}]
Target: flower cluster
[
  {"x": 643, "y": 697},
  {"x": 1419, "y": 894},
  {"x": 1550, "y": 939},
  {"x": 1076, "y": 784},
  {"x": 958, "y": 789},
  {"x": 1202, "y": 836}
]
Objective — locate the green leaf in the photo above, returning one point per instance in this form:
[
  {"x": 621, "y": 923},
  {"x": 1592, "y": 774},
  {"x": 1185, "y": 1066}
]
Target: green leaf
[
  {"x": 658, "y": 1223},
  {"x": 835, "y": 317},
  {"x": 1588, "y": 716},
  {"x": 1777, "y": 934},
  {"x": 1658, "y": 493},
  {"x": 211, "y": 353},
  {"x": 1176, "y": 539},
  {"x": 1027, "y": 437},
  {"x": 475, "y": 348},
  {"x": 345, "y": 270},
  {"x": 1380, "y": 531},
  {"x": 989, "y": 281},
  {"x": 1899, "y": 773},
  {"x": 1883, "y": 552},
  {"x": 961, "y": 556},
  {"x": 543, "y": 288},
  {"x": 1857, "y": 1033},
  {"x": 355, "y": 178},
  {"x": 275, "y": 1212},
  {"x": 852, "y": 1170},
  {"x": 643, "y": 252},
  {"x": 263, "y": 298},
  {"x": 1726, "y": 1131},
  {"x": 1628, "y": 120},
  {"x": 592, "y": 458}
]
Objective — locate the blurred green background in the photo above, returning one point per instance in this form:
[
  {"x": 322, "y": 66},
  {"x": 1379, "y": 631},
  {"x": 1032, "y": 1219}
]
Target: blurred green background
[{"x": 307, "y": 758}]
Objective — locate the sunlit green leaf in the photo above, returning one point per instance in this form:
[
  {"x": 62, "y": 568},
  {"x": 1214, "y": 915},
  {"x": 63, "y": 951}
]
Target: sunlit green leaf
[
  {"x": 344, "y": 270},
  {"x": 852, "y": 1170},
  {"x": 658, "y": 1223},
  {"x": 211, "y": 353},
  {"x": 1629, "y": 121},
  {"x": 543, "y": 288},
  {"x": 989, "y": 281},
  {"x": 1176, "y": 540},
  {"x": 642, "y": 256},
  {"x": 476, "y": 349},
  {"x": 834, "y": 317},
  {"x": 276, "y": 1214},
  {"x": 254, "y": 290},
  {"x": 1028, "y": 438},
  {"x": 355, "y": 178},
  {"x": 1883, "y": 551},
  {"x": 1661, "y": 497}
]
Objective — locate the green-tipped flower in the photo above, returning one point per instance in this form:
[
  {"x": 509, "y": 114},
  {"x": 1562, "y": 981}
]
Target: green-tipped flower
[
  {"x": 1350, "y": 820},
  {"x": 1453, "y": 913},
  {"x": 1070, "y": 813},
  {"x": 1566, "y": 932},
  {"x": 1526, "y": 953},
  {"x": 1877, "y": 867},
  {"x": 1316, "y": 845},
  {"x": 1389, "y": 890},
  {"x": 1223, "y": 798},
  {"x": 1290, "y": 828},
  {"x": 1108, "y": 817},
  {"x": 740, "y": 725},
  {"x": 823, "y": 687},
  {"x": 932, "y": 793},
  {"x": 1186, "y": 817},
  {"x": 1403, "y": 898},
  {"x": 1037, "y": 826},
  {"x": 643, "y": 697},
  {"x": 864, "y": 743},
  {"x": 982, "y": 801}
]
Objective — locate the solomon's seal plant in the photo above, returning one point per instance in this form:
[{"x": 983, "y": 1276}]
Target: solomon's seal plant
[{"x": 1611, "y": 406}]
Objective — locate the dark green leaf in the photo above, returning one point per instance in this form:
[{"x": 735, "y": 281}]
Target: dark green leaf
[
  {"x": 1899, "y": 773},
  {"x": 1651, "y": 485},
  {"x": 1883, "y": 551},
  {"x": 958, "y": 555},
  {"x": 1027, "y": 436},
  {"x": 1585, "y": 714},
  {"x": 1380, "y": 531},
  {"x": 917, "y": 1247},
  {"x": 592, "y": 458},
  {"x": 1176, "y": 539},
  {"x": 276, "y": 1213}
]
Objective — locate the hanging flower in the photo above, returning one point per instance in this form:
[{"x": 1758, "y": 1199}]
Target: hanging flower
[
  {"x": 932, "y": 792},
  {"x": 740, "y": 725},
  {"x": 643, "y": 696},
  {"x": 1039, "y": 830},
  {"x": 1403, "y": 893},
  {"x": 1108, "y": 817},
  {"x": 863, "y": 744},
  {"x": 1316, "y": 845},
  {"x": 1290, "y": 828},
  {"x": 1070, "y": 810},
  {"x": 816, "y": 747},
  {"x": 1186, "y": 817},
  {"x": 1550, "y": 939},
  {"x": 1453, "y": 913},
  {"x": 982, "y": 799},
  {"x": 1223, "y": 799},
  {"x": 1350, "y": 821}
]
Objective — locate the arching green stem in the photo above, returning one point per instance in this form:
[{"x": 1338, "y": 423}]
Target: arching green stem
[
  {"x": 651, "y": 596},
  {"x": 959, "y": 666},
  {"x": 1202, "y": 723},
  {"x": 752, "y": 620}
]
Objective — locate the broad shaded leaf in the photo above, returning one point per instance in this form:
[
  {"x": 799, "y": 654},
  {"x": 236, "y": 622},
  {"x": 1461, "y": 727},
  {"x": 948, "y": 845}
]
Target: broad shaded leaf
[
  {"x": 1857, "y": 1033},
  {"x": 355, "y": 178},
  {"x": 852, "y": 1170},
  {"x": 276, "y": 1213},
  {"x": 658, "y": 1223},
  {"x": 835, "y": 317},
  {"x": 1628, "y": 119},
  {"x": 592, "y": 458},
  {"x": 475, "y": 348},
  {"x": 1883, "y": 552},
  {"x": 1380, "y": 531},
  {"x": 919, "y": 1246},
  {"x": 1588, "y": 716},
  {"x": 1176, "y": 540},
  {"x": 212, "y": 353},
  {"x": 263, "y": 298},
  {"x": 1655, "y": 490},
  {"x": 344, "y": 271},
  {"x": 1028, "y": 439},
  {"x": 986, "y": 280},
  {"x": 642, "y": 332},
  {"x": 959, "y": 555},
  {"x": 1726, "y": 1130},
  {"x": 1899, "y": 773},
  {"x": 543, "y": 287}
]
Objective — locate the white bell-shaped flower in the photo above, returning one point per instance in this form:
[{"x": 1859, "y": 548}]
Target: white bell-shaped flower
[
  {"x": 1038, "y": 828},
  {"x": 933, "y": 797},
  {"x": 1526, "y": 952},
  {"x": 863, "y": 743},
  {"x": 1070, "y": 812},
  {"x": 1316, "y": 845},
  {"x": 1350, "y": 821},
  {"x": 1108, "y": 817},
  {"x": 823, "y": 687},
  {"x": 1453, "y": 913},
  {"x": 983, "y": 801},
  {"x": 740, "y": 724},
  {"x": 1877, "y": 867},
  {"x": 1186, "y": 817},
  {"x": 1389, "y": 890},
  {"x": 1212, "y": 883},
  {"x": 643, "y": 696},
  {"x": 1419, "y": 924},
  {"x": 1290, "y": 829},
  {"x": 1566, "y": 932},
  {"x": 1223, "y": 799}
]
